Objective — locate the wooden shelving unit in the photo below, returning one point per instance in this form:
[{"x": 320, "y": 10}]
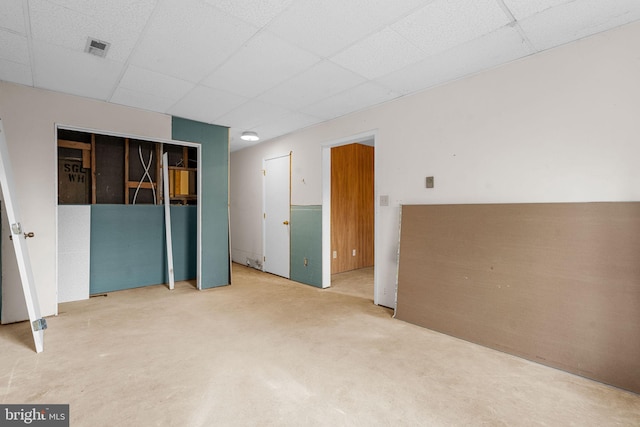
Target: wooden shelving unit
[{"x": 183, "y": 181}]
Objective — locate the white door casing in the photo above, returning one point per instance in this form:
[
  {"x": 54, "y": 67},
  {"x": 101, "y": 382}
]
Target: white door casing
[
  {"x": 277, "y": 208},
  {"x": 384, "y": 288}
]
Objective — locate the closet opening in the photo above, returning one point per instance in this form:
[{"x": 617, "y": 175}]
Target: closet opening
[{"x": 111, "y": 219}]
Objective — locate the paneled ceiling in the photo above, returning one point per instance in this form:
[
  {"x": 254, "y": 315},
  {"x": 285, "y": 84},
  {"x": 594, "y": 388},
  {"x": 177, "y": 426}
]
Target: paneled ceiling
[{"x": 275, "y": 66}]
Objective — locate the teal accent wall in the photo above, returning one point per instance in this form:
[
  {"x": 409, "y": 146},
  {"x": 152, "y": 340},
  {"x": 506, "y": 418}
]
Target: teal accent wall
[
  {"x": 213, "y": 197},
  {"x": 306, "y": 242},
  {"x": 128, "y": 247}
]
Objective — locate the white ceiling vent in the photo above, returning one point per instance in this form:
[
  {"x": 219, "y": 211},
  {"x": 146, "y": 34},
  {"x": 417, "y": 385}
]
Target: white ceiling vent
[{"x": 97, "y": 47}]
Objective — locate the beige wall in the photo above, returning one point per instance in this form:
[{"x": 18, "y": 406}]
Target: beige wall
[
  {"x": 30, "y": 116},
  {"x": 560, "y": 126}
]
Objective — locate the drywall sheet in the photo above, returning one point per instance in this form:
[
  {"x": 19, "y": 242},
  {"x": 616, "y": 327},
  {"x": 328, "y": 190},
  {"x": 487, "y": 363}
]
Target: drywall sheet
[
  {"x": 128, "y": 249},
  {"x": 558, "y": 283},
  {"x": 74, "y": 243},
  {"x": 213, "y": 197},
  {"x": 306, "y": 244}
]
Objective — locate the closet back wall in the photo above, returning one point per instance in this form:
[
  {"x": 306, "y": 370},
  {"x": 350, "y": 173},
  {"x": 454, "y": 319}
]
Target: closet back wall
[{"x": 128, "y": 248}]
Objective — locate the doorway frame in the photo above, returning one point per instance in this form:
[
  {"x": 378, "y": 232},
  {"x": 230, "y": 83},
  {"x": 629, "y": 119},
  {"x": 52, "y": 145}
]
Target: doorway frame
[
  {"x": 196, "y": 145},
  {"x": 326, "y": 205}
]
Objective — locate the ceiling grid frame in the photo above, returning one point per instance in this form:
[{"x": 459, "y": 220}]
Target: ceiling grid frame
[{"x": 276, "y": 66}]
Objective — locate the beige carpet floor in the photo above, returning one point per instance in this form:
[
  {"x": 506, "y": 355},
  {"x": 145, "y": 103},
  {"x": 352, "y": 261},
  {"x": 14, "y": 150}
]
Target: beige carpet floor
[
  {"x": 357, "y": 283},
  {"x": 270, "y": 352}
]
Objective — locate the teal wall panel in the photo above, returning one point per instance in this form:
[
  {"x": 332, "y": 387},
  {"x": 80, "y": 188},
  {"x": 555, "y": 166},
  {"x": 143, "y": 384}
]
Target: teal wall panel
[
  {"x": 128, "y": 248},
  {"x": 306, "y": 243},
  {"x": 184, "y": 240},
  {"x": 213, "y": 196}
]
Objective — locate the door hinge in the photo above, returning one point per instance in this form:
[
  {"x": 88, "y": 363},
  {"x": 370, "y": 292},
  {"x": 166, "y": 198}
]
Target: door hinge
[
  {"x": 264, "y": 215},
  {"x": 39, "y": 325},
  {"x": 264, "y": 259},
  {"x": 264, "y": 172},
  {"x": 16, "y": 228}
]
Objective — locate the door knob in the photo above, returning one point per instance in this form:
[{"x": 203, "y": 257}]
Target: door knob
[
  {"x": 29, "y": 234},
  {"x": 285, "y": 222}
]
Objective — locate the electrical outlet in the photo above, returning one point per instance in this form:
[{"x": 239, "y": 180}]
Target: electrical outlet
[
  {"x": 353, "y": 252},
  {"x": 335, "y": 254},
  {"x": 306, "y": 262}
]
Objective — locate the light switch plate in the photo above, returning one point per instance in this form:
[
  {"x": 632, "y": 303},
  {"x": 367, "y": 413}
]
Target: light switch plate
[
  {"x": 429, "y": 182},
  {"x": 384, "y": 200}
]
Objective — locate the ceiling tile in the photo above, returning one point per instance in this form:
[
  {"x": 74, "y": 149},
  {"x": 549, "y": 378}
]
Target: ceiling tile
[
  {"x": 443, "y": 24},
  {"x": 501, "y": 46},
  {"x": 326, "y": 27},
  {"x": 319, "y": 82},
  {"x": 15, "y": 72},
  {"x": 354, "y": 99},
  {"x": 379, "y": 54},
  {"x": 578, "y": 19},
  {"x": 143, "y": 100},
  {"x": 77, "y": 73},
  {"x": 123, "y": 13},
  {"x": 153, "y": 83},
  {"x": 251, "y": 114},
  {"x": 206, "y": 104},
  {"x": 54, "y": 24},
  {"x": 317, "y": 26},
  {"x": 188, "y": 39},
  {"x": 12, "y": 15},
  {"x": 14, "y": 47},
  {"x": 256, "y": 12},
  {"x": 285, "y": 125},
  {"x": 235, "y": 143},
  {"x": 262, "y": 63},
  {"x": 524, "y": 8}
]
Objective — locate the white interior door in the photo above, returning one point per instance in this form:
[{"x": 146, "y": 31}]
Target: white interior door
[
  {"x": 19, "y": 236},
  {"x": 14, "y": 307},
  {"x": 277, "y": 208}
]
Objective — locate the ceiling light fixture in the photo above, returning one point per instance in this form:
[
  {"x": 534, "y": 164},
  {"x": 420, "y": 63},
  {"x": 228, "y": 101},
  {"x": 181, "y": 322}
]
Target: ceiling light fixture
[{"x": 249, "y": 136}]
